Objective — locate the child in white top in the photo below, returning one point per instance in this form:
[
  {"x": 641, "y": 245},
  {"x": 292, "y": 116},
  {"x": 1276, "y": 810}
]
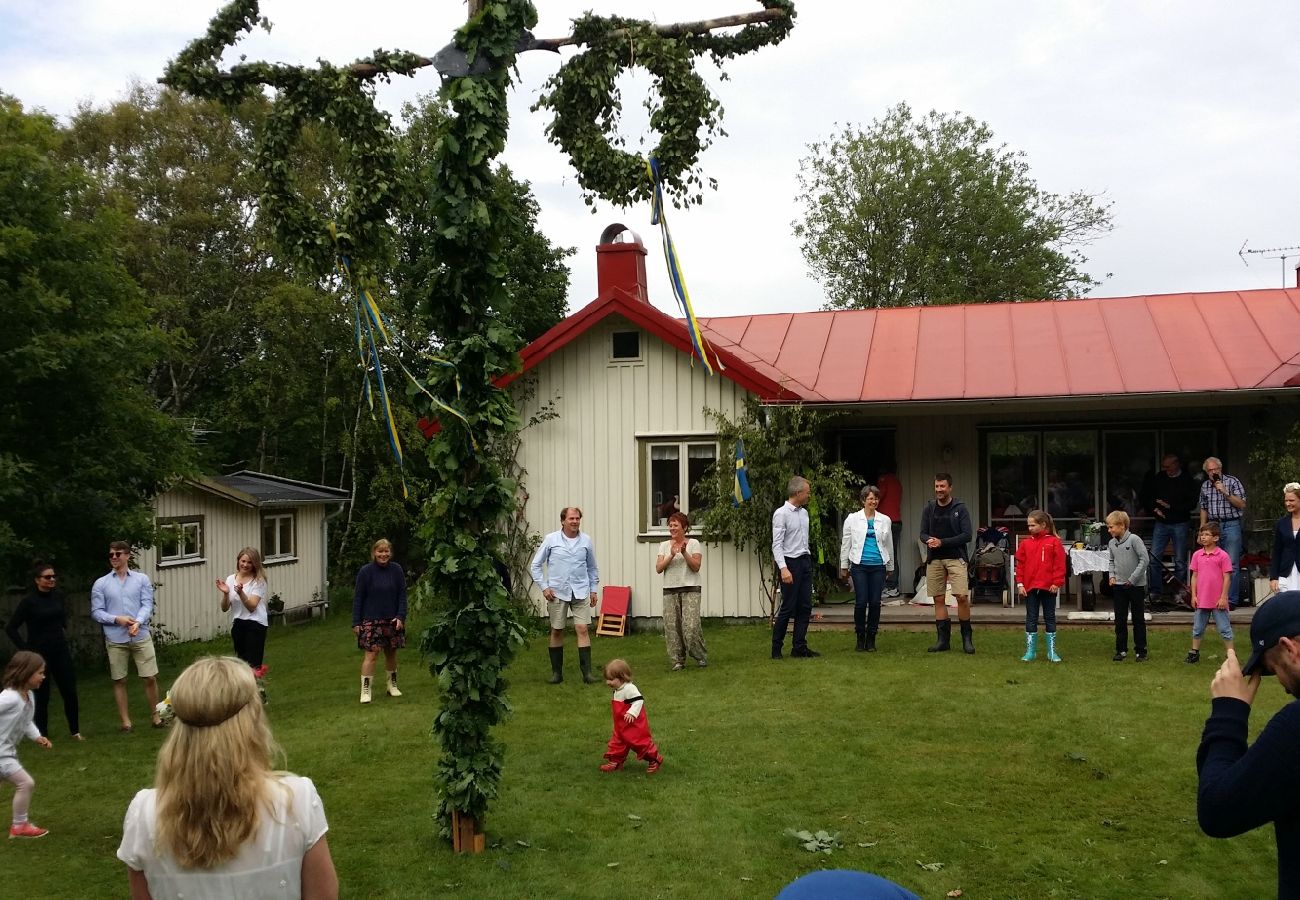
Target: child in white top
[
  {"x": 631, "y": 726},
  {"x": 23, "y": 675}
]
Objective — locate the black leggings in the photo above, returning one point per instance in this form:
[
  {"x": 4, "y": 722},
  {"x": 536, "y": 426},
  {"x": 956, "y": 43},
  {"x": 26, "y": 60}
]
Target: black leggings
[
  {"x": 250, "y": 640},
  {"x": 58, "y": 669}
]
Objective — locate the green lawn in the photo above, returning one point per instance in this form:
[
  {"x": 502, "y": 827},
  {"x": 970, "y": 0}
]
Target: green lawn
[{"x": 1076, "y": 780}]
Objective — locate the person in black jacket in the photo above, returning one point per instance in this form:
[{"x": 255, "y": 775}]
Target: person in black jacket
[
  {"x": 946, "y": 532},
  {"x": 1240, "y": 787},
  {"x": 1284, "y": 568},
  {"x": 1170, "y": 496},
  {"x": 44, "y": 613}
]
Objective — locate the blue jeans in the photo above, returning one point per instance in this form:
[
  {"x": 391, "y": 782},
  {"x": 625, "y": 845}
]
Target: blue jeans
[
  {"x": 1164, "y": 533},
  {"x": 1230, "y": 541},
  {"x": 1202, "y": 618},
  {"x": 1047, "y": 600},
  {"x": 868, "y": 582}
]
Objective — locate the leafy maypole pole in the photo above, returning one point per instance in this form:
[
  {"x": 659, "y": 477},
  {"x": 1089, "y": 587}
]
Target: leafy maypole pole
[{"x": 463, "y": 289}]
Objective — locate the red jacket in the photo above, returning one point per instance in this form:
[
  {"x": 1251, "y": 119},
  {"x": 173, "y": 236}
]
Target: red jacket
[{"x": 1040, "y": 562}]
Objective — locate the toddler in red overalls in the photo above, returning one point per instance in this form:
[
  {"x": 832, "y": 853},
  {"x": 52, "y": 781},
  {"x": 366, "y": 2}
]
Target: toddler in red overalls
[{"x": 631, "y": 727}]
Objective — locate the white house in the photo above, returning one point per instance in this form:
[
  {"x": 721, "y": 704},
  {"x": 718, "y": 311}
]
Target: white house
[
  {"x": 1064, "y": 404},
  {"x": 205, "y": 522}
]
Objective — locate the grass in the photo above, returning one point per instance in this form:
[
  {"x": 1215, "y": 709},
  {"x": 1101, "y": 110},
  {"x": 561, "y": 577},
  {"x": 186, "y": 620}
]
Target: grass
[{"x": 1076, "y": 780}]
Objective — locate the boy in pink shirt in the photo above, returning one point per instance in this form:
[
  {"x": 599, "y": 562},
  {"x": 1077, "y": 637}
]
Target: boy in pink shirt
[{"x": 1211, "y": 570}]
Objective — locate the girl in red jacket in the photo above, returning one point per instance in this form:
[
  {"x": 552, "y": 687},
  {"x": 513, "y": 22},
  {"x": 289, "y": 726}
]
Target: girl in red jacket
[{"x": 1040, "y": 573}]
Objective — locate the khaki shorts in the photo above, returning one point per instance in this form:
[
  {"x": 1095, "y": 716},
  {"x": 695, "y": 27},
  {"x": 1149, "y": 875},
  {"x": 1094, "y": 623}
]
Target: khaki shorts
[
  {"x": 939, "y": 571},
  {"x": 559, "y": 609},
  {"x": 146, "y": 662}
]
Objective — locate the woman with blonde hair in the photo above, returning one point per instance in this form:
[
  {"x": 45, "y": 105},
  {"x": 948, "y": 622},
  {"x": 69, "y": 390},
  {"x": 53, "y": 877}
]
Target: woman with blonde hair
[
  {"x": 243, "y": 595},
  {"x": 379, "y": 615},
  {"x": 1284, "y": 569},
  {"x": 219, "y": 822}
]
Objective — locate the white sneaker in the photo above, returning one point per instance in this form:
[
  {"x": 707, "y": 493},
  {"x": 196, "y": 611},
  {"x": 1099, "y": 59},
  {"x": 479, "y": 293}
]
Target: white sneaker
[
  {"x": 891, "y": 593},
  {"x": 365, "y": 690},
  {"x": 392, "y": 685}
]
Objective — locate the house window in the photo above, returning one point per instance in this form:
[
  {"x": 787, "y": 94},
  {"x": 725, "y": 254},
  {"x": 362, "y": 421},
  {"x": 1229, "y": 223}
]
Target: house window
[
  {"x": 278, "y": 536},
  {"x": 674, "y": 475},
  {"x": 625, "y": 346},
  {"x": 180, "y": 540},
  {"x": 1081, "y": 474}
]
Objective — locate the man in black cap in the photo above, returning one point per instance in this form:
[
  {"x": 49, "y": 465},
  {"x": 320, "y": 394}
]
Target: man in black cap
[{"x": 1242, "y": 788}]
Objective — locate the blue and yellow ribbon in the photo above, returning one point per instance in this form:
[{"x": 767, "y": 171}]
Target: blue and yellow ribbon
[
  {"x": 371, "y": 332},
  {"x": 675, "y": 276},
  {"x": 740, "y": 491}
]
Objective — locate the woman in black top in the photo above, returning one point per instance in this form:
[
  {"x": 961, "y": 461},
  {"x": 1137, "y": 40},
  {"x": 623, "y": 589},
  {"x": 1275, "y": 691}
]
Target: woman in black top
[{"x": 45, "y": 614}]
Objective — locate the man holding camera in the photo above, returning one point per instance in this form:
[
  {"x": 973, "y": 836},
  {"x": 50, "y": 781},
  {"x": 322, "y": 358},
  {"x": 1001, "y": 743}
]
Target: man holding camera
[{"x": 1223, "y": 500}]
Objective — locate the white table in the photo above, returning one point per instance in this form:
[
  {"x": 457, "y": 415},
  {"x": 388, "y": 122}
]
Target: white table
[{"x": 1084, "y": 562}]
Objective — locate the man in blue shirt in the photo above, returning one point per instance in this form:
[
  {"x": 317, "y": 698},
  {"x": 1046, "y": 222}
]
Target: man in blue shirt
[
  {"x": 792, "y": 555},
  {"x": 122, "y": 602},
  {"x": 569, "y": 586}
]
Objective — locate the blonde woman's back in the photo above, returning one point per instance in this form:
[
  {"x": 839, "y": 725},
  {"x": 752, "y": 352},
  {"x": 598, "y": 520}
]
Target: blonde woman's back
[{"x": 268, "y": 865}]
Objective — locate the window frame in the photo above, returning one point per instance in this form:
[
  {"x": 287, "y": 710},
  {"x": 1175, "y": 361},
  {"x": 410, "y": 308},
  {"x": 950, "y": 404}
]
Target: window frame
[
  {"x": 269, "y": 558},
  {"x": 182, "y": 558},
  {"x": 647, "y": 525},
  {"x": 640, "y": 346}
]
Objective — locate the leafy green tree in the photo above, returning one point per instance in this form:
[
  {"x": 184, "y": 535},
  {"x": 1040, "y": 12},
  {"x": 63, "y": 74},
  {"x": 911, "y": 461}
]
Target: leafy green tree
[
  {"x": 780, "y": 442},
  {"x": 912, "y": 212},
  {"x": 82, "y": 447}
]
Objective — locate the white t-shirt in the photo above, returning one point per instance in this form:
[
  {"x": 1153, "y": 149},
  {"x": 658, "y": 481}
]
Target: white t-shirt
[
  {"x": 255, "y": 588},
  {"x": 268, "y": 866},
  {"x": 678, "y": 574}
]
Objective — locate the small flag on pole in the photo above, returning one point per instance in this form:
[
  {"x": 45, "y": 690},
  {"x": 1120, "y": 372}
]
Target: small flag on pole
[{"x": 741, "y": 491}]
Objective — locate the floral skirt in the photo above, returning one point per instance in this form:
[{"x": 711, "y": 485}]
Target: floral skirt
[{"x": 380, "y": 634}]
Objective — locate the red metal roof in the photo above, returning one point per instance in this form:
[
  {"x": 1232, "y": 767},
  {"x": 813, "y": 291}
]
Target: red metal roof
[{"x": 1221, "y": 341}]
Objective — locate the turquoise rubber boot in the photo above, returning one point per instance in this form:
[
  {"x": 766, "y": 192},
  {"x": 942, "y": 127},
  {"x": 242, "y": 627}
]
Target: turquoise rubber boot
[
  {"x": 1051, "y": 647},
  {"x": 1031, "y": 643}
]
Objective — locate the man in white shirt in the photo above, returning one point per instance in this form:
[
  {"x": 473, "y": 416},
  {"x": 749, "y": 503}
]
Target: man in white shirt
[
  {"x": 569, "y": 586},
  {"x": 790, "y": 552}
]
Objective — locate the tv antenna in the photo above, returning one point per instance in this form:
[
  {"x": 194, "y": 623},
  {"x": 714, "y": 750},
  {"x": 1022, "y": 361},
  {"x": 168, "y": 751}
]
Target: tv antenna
[{"x": 1277, "y": 253}]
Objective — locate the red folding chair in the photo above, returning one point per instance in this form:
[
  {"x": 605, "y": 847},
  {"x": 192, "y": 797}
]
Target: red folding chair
[{"x": 613, "y": 611}]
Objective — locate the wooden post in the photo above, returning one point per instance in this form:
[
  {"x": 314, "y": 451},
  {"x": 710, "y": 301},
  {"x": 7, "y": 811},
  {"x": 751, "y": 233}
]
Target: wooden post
[{"x": 465, "y": 834}]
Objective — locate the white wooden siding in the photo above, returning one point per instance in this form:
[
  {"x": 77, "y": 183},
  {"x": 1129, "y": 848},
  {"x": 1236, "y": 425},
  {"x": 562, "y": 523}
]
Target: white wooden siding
[{"x": 186, "y": 598}]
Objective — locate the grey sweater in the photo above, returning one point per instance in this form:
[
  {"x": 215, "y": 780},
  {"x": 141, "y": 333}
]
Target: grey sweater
[{"x": 1129, "y": 560}]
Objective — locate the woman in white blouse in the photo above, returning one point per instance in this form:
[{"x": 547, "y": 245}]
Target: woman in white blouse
[
  {"x": 867, "y": 555},
  {"x": 220, "y": 823},
  {"x": 243, "y": 595}
]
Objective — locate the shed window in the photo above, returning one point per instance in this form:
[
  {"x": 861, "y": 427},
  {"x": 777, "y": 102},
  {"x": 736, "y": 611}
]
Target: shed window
[
  {"x": 180, "y": 539},
  {"x": 278, "y": 536},
  {"x": 625, "y": 345}
]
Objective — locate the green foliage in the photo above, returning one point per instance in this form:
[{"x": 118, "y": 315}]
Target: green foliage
[
  {"x": 780, "y": 442},
  {"x": 911, "y": 212},
  {"x": 585, "y": 100},
  {"x": 1274, "y": 461},
  {"x": 82, "y": 448}
]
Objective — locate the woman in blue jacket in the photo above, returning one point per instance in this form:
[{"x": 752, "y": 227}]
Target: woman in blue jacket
[{"x": 1283, "y": 574}]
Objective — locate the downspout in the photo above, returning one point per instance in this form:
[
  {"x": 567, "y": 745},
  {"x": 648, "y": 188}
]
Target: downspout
[{"x": 325, "y": 553}]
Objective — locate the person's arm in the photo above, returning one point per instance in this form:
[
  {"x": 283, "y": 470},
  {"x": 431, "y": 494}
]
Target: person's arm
[
  {"x": 223, "y": 588},
  {"x": 1112, "y": 571},
  {"x": 99, "y": 605},
  {"x": 1203, "y": 498},
  {"x": 1226, "y": 568},
  {"x": 1058, "y": 566},
  {"x": 664, "y": 557},
  {"x": 139, "y": 885},
  {"x": 964, "y": 533},
  {"x": 778, "y": 538},
  {"x": 1144, "y": 558},
  {"x": 248, "y": 595},
  {"x": 846, "y": 540},
  {"x": 319, "y": 880},
  {"x": 15, "y": 622},
  {"x": 359, "y": 591},
  {"x": 693, "y": 560},
  {"x": 885, "y": 538},
  {"x": 1240, "y": 788},
  {"x": 593, "y": 573},
  {"x": 925, "y": 523},
  {"x": 536, "y": 568},
  {"x": 145, "y": 612}
]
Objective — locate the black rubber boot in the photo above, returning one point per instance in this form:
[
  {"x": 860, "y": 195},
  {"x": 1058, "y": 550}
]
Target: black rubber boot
[
  {"x": 967, "y": 645},
  {"x": 557, "y": 665},
  {"x": 871, "y": 642},
  {"x": 943, "y": 628},
  {"x": 862, "y": 642},
  {"x": 584, "y": 663}
]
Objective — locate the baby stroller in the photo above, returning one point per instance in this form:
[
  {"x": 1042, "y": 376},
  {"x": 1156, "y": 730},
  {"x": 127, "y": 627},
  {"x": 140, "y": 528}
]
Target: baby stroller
[{"x": 990, "y": 564}]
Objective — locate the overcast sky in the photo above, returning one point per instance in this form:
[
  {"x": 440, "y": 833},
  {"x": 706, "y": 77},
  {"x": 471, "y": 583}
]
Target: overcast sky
[{"x": 1184, "y": 114}]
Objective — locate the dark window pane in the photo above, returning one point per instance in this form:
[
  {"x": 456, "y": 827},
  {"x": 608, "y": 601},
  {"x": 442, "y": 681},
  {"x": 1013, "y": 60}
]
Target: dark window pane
[
  {"x": 1013, "y": 475},
  {"x": 1070, "y": 458},
  {"x": 626, "y": 345},
  {"x": 665, "y": 482},
  {"x": 1131, "y": 457},
  {"x": 699, "y": 457}
]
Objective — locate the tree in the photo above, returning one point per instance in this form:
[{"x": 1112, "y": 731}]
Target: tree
[
  {"x": 915, "y": 212},
  {"x": 780, "y": 442},
  {"x": 82, "y": 447}
]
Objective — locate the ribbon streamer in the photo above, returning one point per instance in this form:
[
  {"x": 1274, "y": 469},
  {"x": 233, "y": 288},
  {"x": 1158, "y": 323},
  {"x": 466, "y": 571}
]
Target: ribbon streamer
[
  {"x": 740, "y": 491},
  {"x": 675, "y": 276}
]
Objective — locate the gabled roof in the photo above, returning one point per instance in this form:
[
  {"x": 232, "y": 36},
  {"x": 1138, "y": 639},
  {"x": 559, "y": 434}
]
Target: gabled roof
[
  {"x": 1152, "y": 344},
  {"x": 258, "y": 489},
  {"x": 671, "y": 331}
]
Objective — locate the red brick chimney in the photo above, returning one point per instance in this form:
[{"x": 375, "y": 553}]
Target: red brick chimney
[{"x": 620, "y": 262}]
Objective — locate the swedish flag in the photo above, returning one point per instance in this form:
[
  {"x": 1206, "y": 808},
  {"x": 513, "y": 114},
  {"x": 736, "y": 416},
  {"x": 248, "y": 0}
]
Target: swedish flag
[{"x": 741, "y": 491}]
